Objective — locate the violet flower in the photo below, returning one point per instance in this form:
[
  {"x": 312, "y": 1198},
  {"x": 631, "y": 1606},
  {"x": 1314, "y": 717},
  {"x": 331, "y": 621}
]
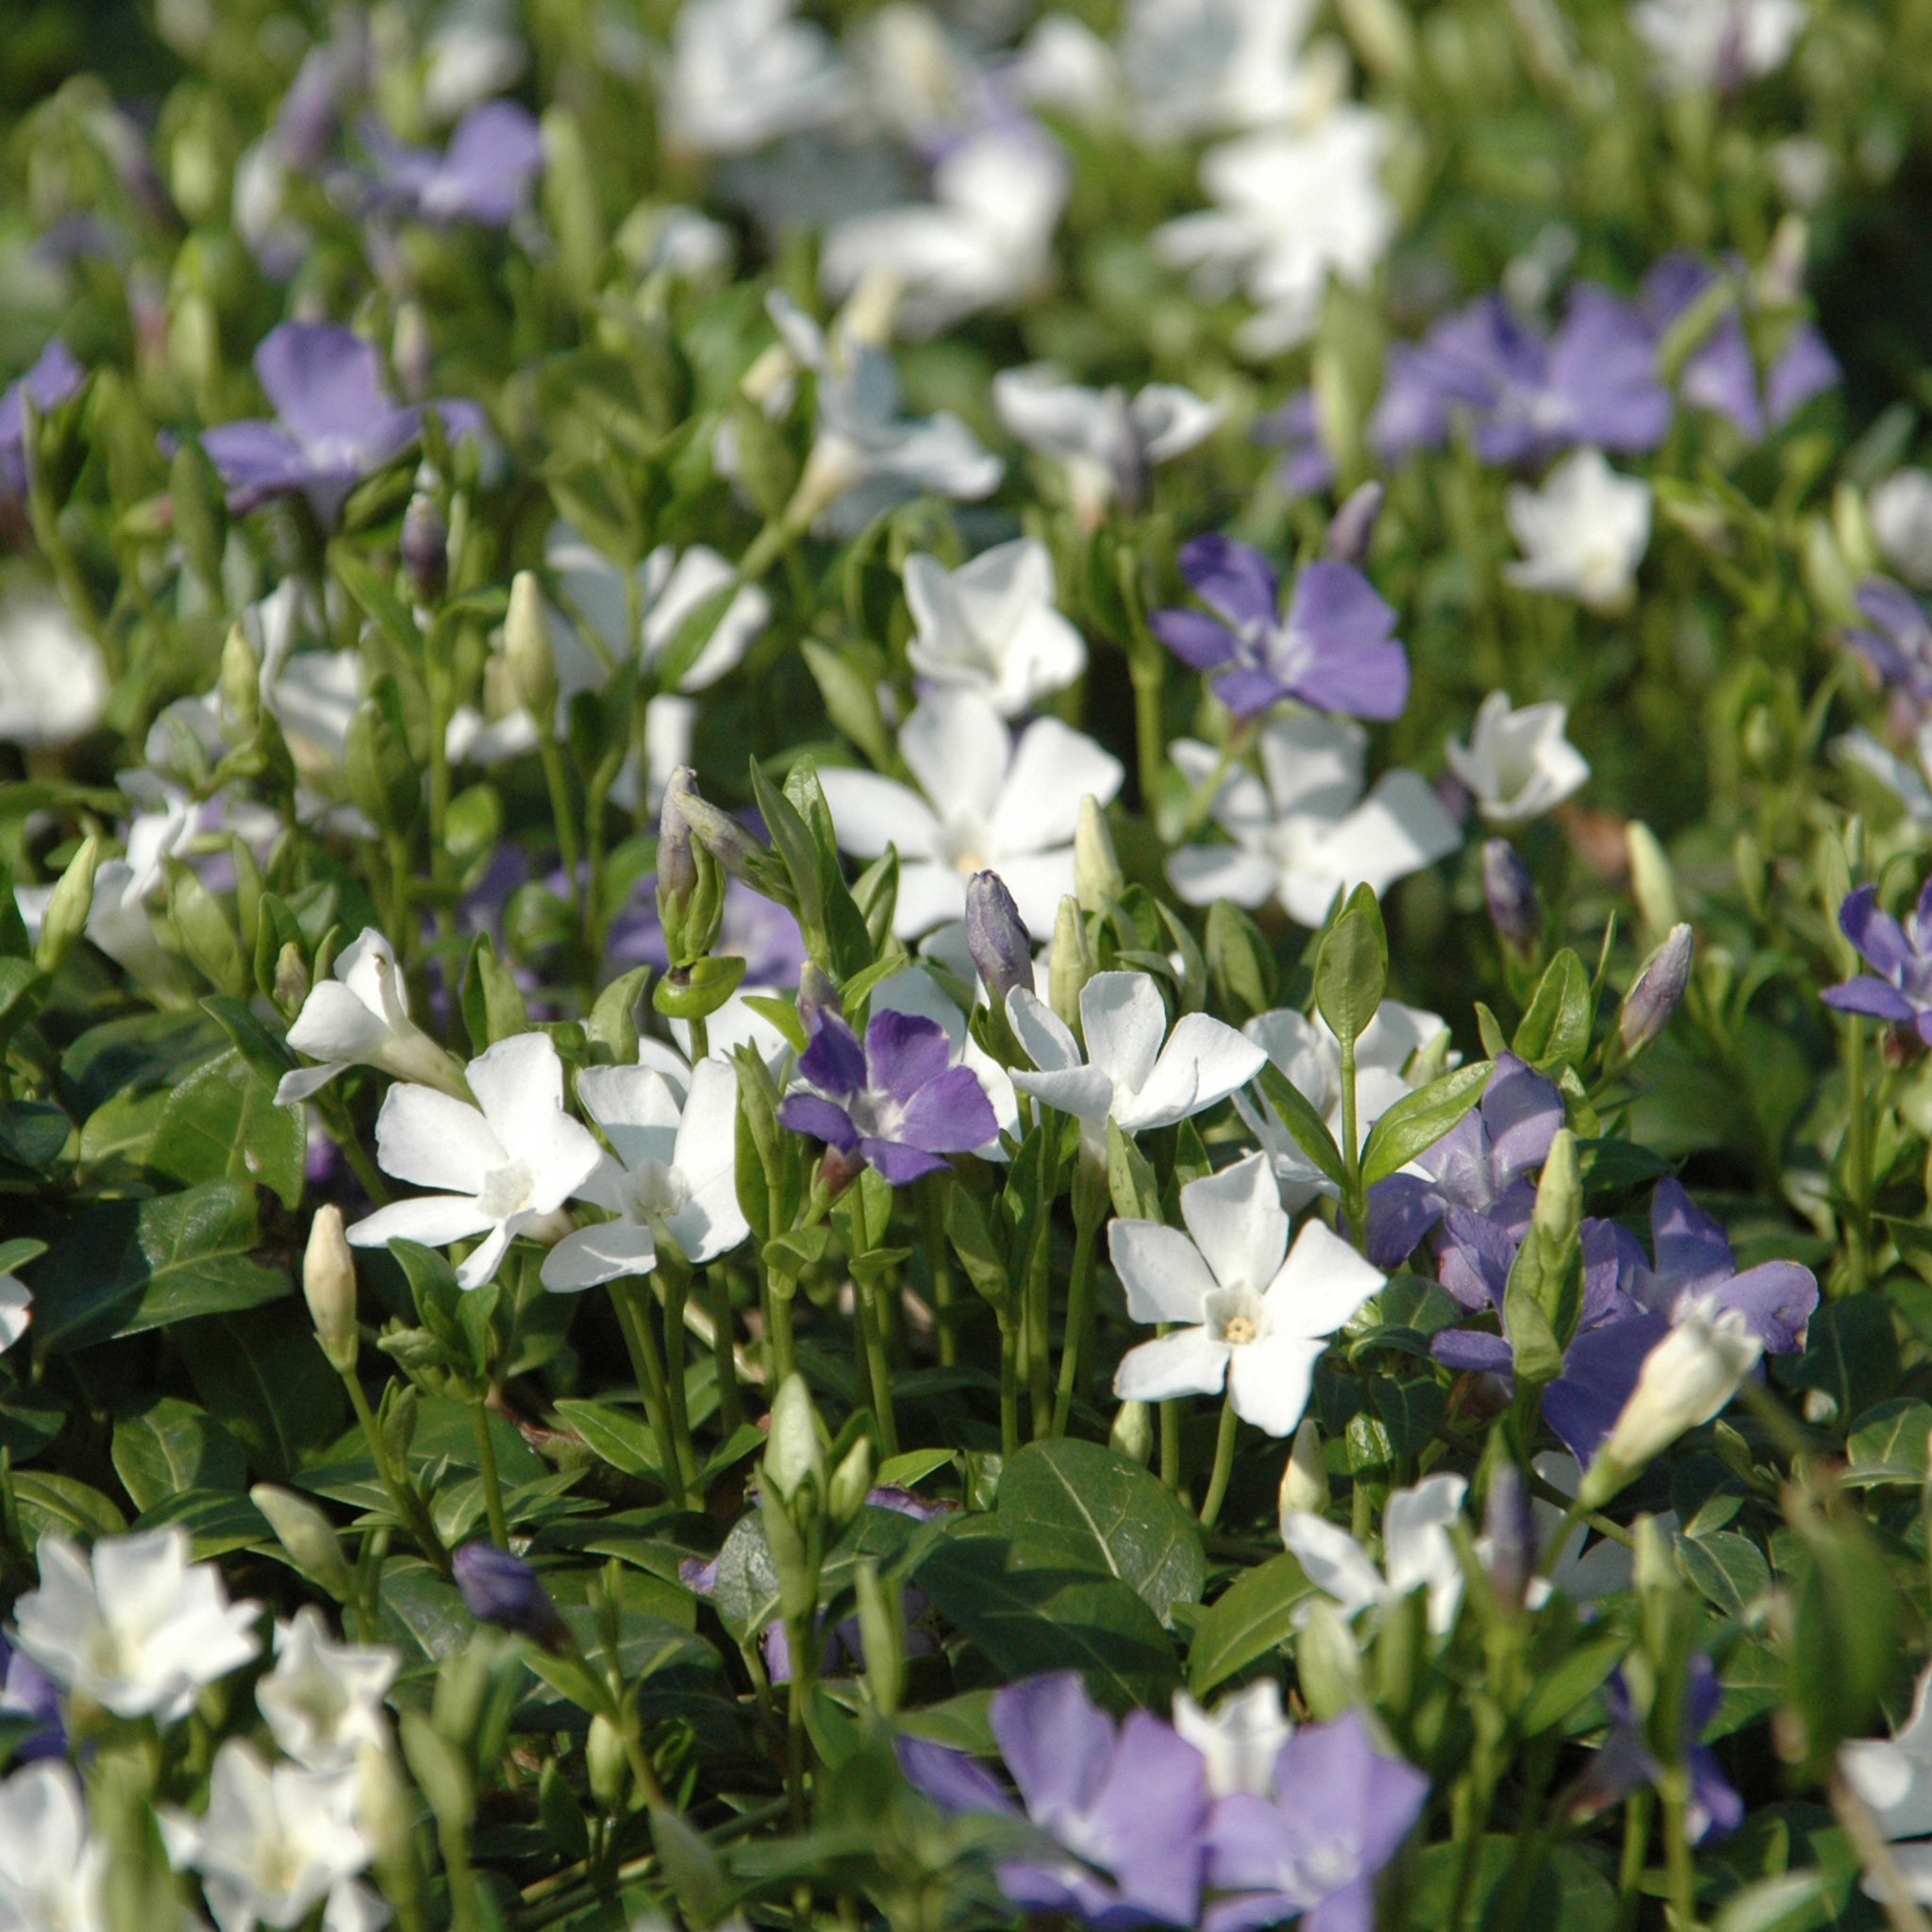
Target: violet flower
[
  {"x": 482, "y": 175},
  {"x": 1483, "y": 1163},
  {"x": 1695, "y": 1263},
  {"x": 1898, "y": 644},
  {"x": 1626, "y": 1762},
  {"x": 1308, "y": 465},
  {"x": 1334, "y": 650},
  {"x": 896, "y": 1103},
  {"x": 1594, "y": 380},
  {"x": 501, "y": 1589},
  {"x": 335, "y": 423},
  {"x": 1339, "y": 1811},
  {"x": 52, "y": 380},
  {"x": 28, "y": 1691},
  {"x": 1900, "y": 991},
  {"x": 1127, "y": 1801}
]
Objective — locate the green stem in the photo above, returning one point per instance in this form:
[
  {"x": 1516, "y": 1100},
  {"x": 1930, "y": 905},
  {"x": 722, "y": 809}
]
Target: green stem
[
  {"x": 1677, "y": 1864},
  {"x": 1169, "y": 1439},
  {"x": 778, "y": 1291},
  {"x": 1858, "y": 1150},
  {"x": 1039, "y": 1292},
  {"x": 631, "y": 1298},
  {"x": 1009, "y": 1389},
  {"x": 557, "y": 783},
  {"x": 409, "y": 1507},
  {"x": 868, "y": 1294},
  {"x": 1354, "y": 1206},
  {"x": 1079, "y": 1321},
  {"x": 676, "y": 1286},
  {"x": 932, "y": 1228},
  {"x": 1630, "y": 1872},
  {"x": 1223, "y": 1462},
  {"x": 492, "y": 1480},
  {"x": 1148, "y": 678},
  {"x": 700, "y": 1040},
  {"x": 723, "y": 1354}
]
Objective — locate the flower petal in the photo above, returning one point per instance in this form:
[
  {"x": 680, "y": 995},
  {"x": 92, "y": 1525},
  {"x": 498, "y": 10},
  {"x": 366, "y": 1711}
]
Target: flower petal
[
  {"x": 1188, "y": 1362},
  {"x": 435, "y": 1140},
  {"x": 1322, "y": 1283},
  {"x": 1165, "y": 1277}
]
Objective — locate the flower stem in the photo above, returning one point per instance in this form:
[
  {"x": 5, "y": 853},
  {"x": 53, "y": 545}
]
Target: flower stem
[
  {"x": 492, "y": 1480},
  {"x": 1354, "y": 1206},
  {"x": 1170, "y": 1441},
  {"x": 559, "y": 786},
  {"x": 1223, "y": 1462},
  {"x": 1682, "y": 1916},
  {"x": 932, "y": 1228},
  {"x": 870, "y": 1294},
  {"x": 409, "y": 1507},
  {"x": 630, "y": 1295},
  {"x": 1858, "y": 1150},
  {"x": 724, "y": 1354},
  {"x": 676, "y": 1286},
  {"x": 1630, "y": 1873},
  {"x": 1079, "y": 1320},
  {"x": 1009, "y": 1389}
]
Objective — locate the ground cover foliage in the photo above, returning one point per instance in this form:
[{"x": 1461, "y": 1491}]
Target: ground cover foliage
[{"x": 963, "y": 964}]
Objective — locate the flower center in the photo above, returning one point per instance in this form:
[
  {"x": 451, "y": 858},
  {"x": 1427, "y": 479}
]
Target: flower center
[
  {"x": 1234, "y": 1315},
  {"x": 505, "y": 1189},
  {"x": 1238, "y": 1331},
  {"x": 653, "y": 1187},
  {"x": 967, "y": 844}
]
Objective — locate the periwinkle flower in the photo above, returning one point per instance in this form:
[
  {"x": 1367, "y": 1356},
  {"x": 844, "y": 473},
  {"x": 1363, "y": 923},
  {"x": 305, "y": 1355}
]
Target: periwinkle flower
[
  {"x": 996, "y": 937},
  {"x": 1694, "y": 1265},
  {"x": 26, "y": 1691},
  {"x": 1334, "y": 650},
  {"x": 1899, "y": 990},
  {"x": 895, "y": 1103},
  {"x": 1509, "y": 892},
  {"x": 481, "y": 177},
  {"x": 335, "y": 422},
  {"x": 501, "y": 1589},
  {"x": 1627, "y": 1761},
  {"x": 48, "y": 384},
  {"x": 1127, "y": 1801},
  {"x": 1417, "y": 1552},
  {"x": 1895, "y": 639}
]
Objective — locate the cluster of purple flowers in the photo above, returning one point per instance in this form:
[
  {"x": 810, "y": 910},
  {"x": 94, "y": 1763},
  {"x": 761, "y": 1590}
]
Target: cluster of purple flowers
[
  {"x": 1130, "y": 1834},
  {"x": 1473, "y": 1193}
]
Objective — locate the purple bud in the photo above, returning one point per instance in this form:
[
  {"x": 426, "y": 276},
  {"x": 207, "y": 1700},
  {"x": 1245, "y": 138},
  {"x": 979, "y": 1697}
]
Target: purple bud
[
  {"x": 503, "y": 1590},
  {"x": 1510, "y": 1530},
  {"x": 996, "y": 937},
  {"x": 677, "y": 872},
  {"x": 1354, "y": 525},
  {"x": 1651, "y": 1001},
  {"x": 1511, "y": 895},
  {"x": 424, "y": 548},
  {"x": 818, "y": 994}
]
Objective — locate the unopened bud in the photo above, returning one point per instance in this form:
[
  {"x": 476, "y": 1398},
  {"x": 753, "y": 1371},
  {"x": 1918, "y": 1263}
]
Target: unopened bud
[
  {"x": 1510, "y": 895},
  {"x": 1304, "y": 1481},
  {"x": 1328, "y": 1663},
  {"x": 1353, "y": 527},
  {"x": 328, "y": 1282},
  {"x": 68, "y": 906},
  {"x": 1509, "y": 1535},
  {"x": 503, "y": 1590},
  {"x": 308, "y": 1537},
  {"x": 526, "y": 650},
  {"x": 794, "y": 1452},
  {"x": 292, "y": 980},
  {"x": 1097, "y": 877},
  {"x": 1558, "y": 1210},
  {"x": 604, "y": 1759},
  {"x": 1653, "y": 884},
  {"x": 241, "y": 681},
  {"x": 881, "y": 1636},
  {"x": 1070, "y": 965},
  {"x": 410, "y": 351},
  {"x": 851, "y": 1481},
  {"x": 996, "y": 937},
  {"x": 818, "y": 994},
  {"x": 423, "y": 547},
  {"x": 1132, "y": 1434},
  {"x": 677, "y": 872},
  {"x": 1658, "y": 989}
]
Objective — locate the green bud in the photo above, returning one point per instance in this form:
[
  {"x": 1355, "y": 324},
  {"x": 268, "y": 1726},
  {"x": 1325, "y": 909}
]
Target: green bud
[
  {"x": 1071, "y": 964},
  {"x": 1653, "y": 884},
  {"x": 1304, "y": 1481},
  {"x": 308, "y": 1537},
  {"x": 1097, "y": 877},
  {"x": 1132, "y": 1434},
  {"x": 71, "y": 900},
  {"x": 387, "y": 1811},
  {"x": 697, "y": 991},
  {"x": 606, "y": 1759},
  {"x": 438, "y": 1767},
  {"x": 241, "y": 680},
  {"x": 794, "y": 1452},
  {"x": 571, "y": 201},
  {"x": 526, "y": 650},
  {"x": 1559, "y": 1191},
  {"x": 882, "y": 1636},
  {"x": 398, "y": 1420},
  {"x": 328, "y": 1282},
  {"x": 851, "y": 1482},
  {"x": 1328, "y": 1663},
  {"x": 292, "y": 980}
]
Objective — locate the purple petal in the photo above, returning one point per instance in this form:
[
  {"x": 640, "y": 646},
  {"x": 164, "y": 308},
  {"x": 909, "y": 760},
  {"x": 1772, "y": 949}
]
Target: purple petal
[
  {"x": 1474, "y": 1256},
  {"x": 952, "y": 1780},
  {"x": 805, "y": 1113},
  {"x": 1249, "y": 690},
  {"x": 325, "y": 382},
  {"x": 1367, "y": 682},
  {"x": 899, "y": 1165},
  {"x": 1689, "y": 1244},
  {"x": 1471, "y": 1350},
  {"x": 1402, "y": 1210},
  {"x": 1193, "y": 636},
  {"x": 835, "y": 1062},
  {"x": 1521, "y": 1112},
  {"x": 1776, "y": 1299},
  {"x": 904, "y": 1053},
  {"x": 1233, "y": 578},
  {"x": 1894, "y": 611},
  {"x": 1057, "y": 1742},
  {"x": 1146, "y": 1821},
  {"x": 257, "y": 459},
  {"x": 1336, "y": 608},
  {"x": 1875, "y": 933},
  {"x": 1720, "y": 374},
  {"x": 1603, "y": 364},
  {"x": 1600, "y": 1371},
  {"x": 1806, "y": 369},
  {"x": 1671, "y": 287},
  {"x": 1612, "y": 1259},
  {"x": 1872, "y": 997},
  {"x": 949, "y": 1115},
  {"x": 491, "y": 156},
  {"x": 1713, "y": 1803}
]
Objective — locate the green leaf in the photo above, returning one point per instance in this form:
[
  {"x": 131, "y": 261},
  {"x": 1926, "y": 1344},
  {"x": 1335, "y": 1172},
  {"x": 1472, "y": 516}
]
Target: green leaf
[
  {"x": 1562, "y": 1686},
  {"x": 1296, "y": 1113},
  {"x": 146, "y": 1052},
  {"x": 1727, "y": 1569},
  {"x": 1080, "y": 1503},
  {"x": 1352, "y": 969},
  {"x": 624, "y": 1443},
  {"x": 223, "y": 1123},
  {"x": 262, "y": 1373},
  {"x": 1556, "y": 1027},
  {"x": 218, "y": 1521},
  {"x": 63, "y": 1502},
  {"x": 1565, "y": 1892},
  {"x": 126, "y": 1266},
  {"x": 850, "y": 688},
  {"x": 171, "y": 1446},
  {"x": 33, "y": 1133},
  {"x": 1032, "y": 1619},
  {"x": 1240, "y": 962},
  {"x": 1254, "y": 1615},
  {"x": 1890, "y": 1444},
  {"x": 1419, "y": 1120},
  {"x": 1851, "y": 1352}
]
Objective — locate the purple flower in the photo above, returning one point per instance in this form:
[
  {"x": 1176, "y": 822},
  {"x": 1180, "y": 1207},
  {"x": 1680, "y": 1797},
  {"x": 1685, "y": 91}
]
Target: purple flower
[
  {"x": 49, "y": 382},
  {"x": 336, "y": 423},
  {"x": 1306, "y": 466},
  {"x": 503, "y": 1590},
  {"x": 1510, "y": 895},
  {"x": 1626, "y": 1762},
  {"x": 26, "y": 1691},
  {"x": 896, "y": 1102},
  {"x": 1594, "y": 381},
  {"x": 757, "y": 929},
  {"x": 1900, "y": 991},
  {"x": 1899, "y": 645},
  {"x": 1720, "y": 373},
  {"x": 1483, "y": 1163},
  {"x": 481, "y": 177},
  {"x": 1129, "y": 1800},
  {"x": 1341, "y": 1809},
  {"x": 997, "y": 940},
  {"x": 1695, "y": 1263},
  {"x": 1333, "y": 651}
]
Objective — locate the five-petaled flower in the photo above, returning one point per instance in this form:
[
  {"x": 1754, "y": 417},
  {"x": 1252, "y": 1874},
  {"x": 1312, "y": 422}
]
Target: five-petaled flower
[
  {"x": 1517, "y": 765},
  {"x": 1899, "y": 990}
]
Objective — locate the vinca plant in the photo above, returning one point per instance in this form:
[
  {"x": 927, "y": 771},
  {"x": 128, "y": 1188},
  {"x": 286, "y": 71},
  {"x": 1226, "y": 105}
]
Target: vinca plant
[{"x": 966, "y": 965}]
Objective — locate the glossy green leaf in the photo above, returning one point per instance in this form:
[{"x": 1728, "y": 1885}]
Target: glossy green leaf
[
  {"x": 1254, "y": 1615},
  {"x": 1419, "y": 1120}
]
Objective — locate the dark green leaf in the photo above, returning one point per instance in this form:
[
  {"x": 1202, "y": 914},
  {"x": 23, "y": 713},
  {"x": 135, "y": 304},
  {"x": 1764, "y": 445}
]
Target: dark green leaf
[
  {"x": 1352, "y": 970},
  {"x": 171, "y": 1446},
  {"x": 1253, "y": 1616},
  {"x": 1419, "y": 1120},
  {"x": 223, "y": 1123},
  {"x": 1727, "y": 1569}
]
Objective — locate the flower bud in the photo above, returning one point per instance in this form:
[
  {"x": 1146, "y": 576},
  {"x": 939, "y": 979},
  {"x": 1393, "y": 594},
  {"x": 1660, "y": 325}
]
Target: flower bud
[
  {"x": 1097, "y": 877},
  {"x": 527, "y": 650},
  {"x": 1070, "y": 965},
  {"x": 1328, "y": 1663},
  {"x": 1558, "y": 1210},
  {"x": 328, "y": 1282},
  {"x": 1132, "y": 1434},
  {"x": 818, "y": 994},
  {"x": 1653, "y": 884},
  {"x": 881, "y": 1636},
  {"x": 997, "y": 937},
  {"x": 1353, "y": 527},
  {"x": 851, "y": 1481},
  {"x": 604, "y": 1759},
  {"x": 794, "y": 1452},
  {"x": 1651, "y": 1001},
  {"x": 1304, "y": 1481},
  {"x": 68, "y": 906},
  {"x": 241, "y": 681},
  {"x": 1510, "y": 895},
  {"x": 292, "y": 982},
  {"x": 308, "y": 1535},
  {"x": 423, "y": 547},
  {"x": 1509, "y": 1535},
  {"x": 411, "y": 352},
  {"x": 503, "y": 1590},
  {"x": 1684, "y": 1381}
]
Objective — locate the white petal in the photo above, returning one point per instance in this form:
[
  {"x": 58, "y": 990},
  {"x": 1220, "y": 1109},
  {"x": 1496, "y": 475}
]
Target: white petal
[
  {"x": 1322, "y": 1283},
  {"x": 1270, "y": 1379},
  {"x": 1188, "y": 1362},
  {"x": 1399, "y": 828},
  {"x": 485, "y": 1260},
  {"x": 435, "y": 1140},
  {"x": 1164, "y": 1276},
  {"x": 871, "y": 814},
  {"x": 304, "y": 1083},
  {"x": 1204, "y": 1061},
  {"x": 434, "y": 1219},
  {"x": 636, "y": 1109},
  {"x": 1053, "y": 769},
  {"x": 959, "y": 750},
  {"x": 1085, "y": 1092},
  {"x": 1313, "y": 765},
  {"x": 1332, "y": 1560},
  {"x": 335, "y": 1024},
  {"x": 1124, "y": 1021},
  {"x": 1203, "y": 874},
  {"x": 593, "y": 1255},
  {"x": 1044, "y": 1035},
  {"x": 1234, "y": 1217},
  {"x": 1037, "y": 881},
  {"x": 930, "y": 895}
]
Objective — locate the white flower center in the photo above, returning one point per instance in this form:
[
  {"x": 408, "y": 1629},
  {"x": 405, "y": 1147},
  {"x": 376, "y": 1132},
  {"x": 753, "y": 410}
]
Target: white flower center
[
  {"x": 1234, "y": 1315},
  {"x": 505, "y": 1191},
  {"x": 653, "y": 1187},
  {"x": 966, "y": 844}
]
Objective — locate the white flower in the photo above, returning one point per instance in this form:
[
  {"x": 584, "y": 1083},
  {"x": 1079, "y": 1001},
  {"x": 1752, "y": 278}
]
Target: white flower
[
  {"x": 1908, "y": 786},
  {"x": 16, "y": 1310},
  {"x": 1417, "y": 1552},
  {"x": 1588, "y": 1566},
  {"x": 322, "y": 1700},
  {"x": 474, "y": 55},
  {"x": 1241, "y": 1738},
  {"x": 274, "y": 1844},
  {"x": 1128, "y": 1075},
  {"x": 1583, "y": 533},
  {"x": 676, "y": 1163},
  {"x": 989, "y": 801},
  {"x": 53, "y": 679},
  {"x": 1307, "y": 833},
  {"x": 50, "y": 1868},
  {"x": 1248, "y": 1311},
  {"x": 1292, "y": 210},
  {"x": 137, "y": 1628},
  {"x": 1892, "y": 1777},
  {"x": 985, "y": 240},
  {"x": 1718, "y": 43},
  {"x": 361, "y": 1018},
  {"x": 1684, "y": 1381},
  {"x": 744, "y": 71},
  {"x": 1309, "y": 1057},
  {"x": 990, "y": 625},
  {"x": 1901, "y": 513},
  {"x": 1208, "y": 66},
  {"x": 1106, "y": 441},
  {"x": 1517, "y": 765},
  {"x": 502, "y": 1165},
  {"x": 1063, "y": 65}
]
